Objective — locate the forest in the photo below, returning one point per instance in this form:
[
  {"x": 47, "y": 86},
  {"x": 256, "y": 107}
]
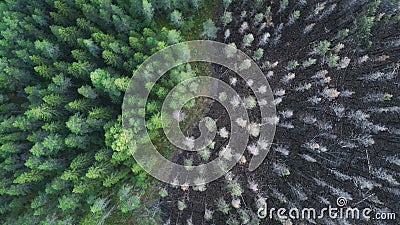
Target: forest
[{"x": 65, "y": 65}]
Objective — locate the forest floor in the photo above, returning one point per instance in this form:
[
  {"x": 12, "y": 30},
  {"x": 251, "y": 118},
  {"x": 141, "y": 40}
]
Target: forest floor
[{"x": 357, "y": 162}]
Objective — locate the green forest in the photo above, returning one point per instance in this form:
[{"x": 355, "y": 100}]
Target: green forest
[{"x": 65, "y": 66}]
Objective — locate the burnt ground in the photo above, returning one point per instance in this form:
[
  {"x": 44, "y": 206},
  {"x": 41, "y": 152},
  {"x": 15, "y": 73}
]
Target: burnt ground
[{"x": 355, "y": 162}]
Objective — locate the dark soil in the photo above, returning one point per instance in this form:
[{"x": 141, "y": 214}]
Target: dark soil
[{"x": 339, "y": 167}]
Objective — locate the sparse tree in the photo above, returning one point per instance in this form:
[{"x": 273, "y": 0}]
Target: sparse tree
[
  {"x": 148, "y": 9},
  {"x": 293, "y": 17},
  {"x": 322, "y": 47},
  {"x": 209, "y": 29},
  {"x": 248, "y": 40},
  {"x": 176, "y": 18},
  {"x": 226, "y": 18},
  {"x": 258, "y": 54},
  {"x": 227, "y": 3}
]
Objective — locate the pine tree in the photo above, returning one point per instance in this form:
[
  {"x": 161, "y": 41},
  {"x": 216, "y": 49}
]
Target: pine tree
[
  {"x": 148, "y": 10},
  {"x": 176, "y": 18},
  {"x": 209, "y": 29}
]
